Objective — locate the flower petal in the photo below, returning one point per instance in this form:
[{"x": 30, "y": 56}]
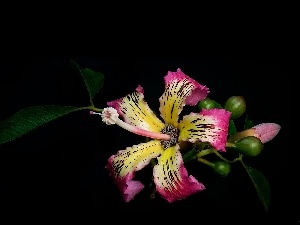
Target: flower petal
[
  {"x": 136, "y": 111},
  {"x": 171, "y": 177},
  {"x": 125, "y": 163},
  {"x": 210, "y": 125},
  {"x": 180, "y": 90}
]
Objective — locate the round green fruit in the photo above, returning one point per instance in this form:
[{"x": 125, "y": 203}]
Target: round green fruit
[
  {"x": 222, "y": 168},
  {"x": 249, "y": 146},
  {"x": 206, "y": 104},
  {"x": 236, "y": 105}
]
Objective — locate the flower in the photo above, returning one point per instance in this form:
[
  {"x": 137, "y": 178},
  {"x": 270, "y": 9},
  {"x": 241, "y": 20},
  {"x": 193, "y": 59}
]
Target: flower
[{"x": 169, "y": 174}]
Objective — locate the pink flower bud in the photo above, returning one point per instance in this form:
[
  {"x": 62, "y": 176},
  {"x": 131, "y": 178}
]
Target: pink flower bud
[{"x": 266, "y": 131}]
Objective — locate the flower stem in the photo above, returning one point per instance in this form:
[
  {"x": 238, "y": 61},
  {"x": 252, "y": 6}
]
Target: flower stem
[
  {"x": 230, "y": 145},
  {"x": 226, "y": 160},
  {"x": 92, "y": 108},
  {"x": 204, "y": 152},
  {"x": 206, "y": 162}
]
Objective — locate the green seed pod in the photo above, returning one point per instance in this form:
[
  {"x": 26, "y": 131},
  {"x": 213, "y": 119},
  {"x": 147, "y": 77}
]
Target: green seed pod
[
  {"x": 222, "y": 168},
  {"x": 236, "y": 105},
  {"x": 249, "y": 146},
  {"x": 206, "y": 104}
]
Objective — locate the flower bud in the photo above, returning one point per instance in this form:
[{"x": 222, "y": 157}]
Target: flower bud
[
  {"x": 222, "y": 168},
  {"x": 236, "y": 105},
  {"x": 264, "y": 131},
  {"x": 207, "y": 103},
  {"x": 249, "y": 146}
]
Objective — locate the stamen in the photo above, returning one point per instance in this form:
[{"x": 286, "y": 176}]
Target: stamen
[
  {"x": 110, "y": 116},
  {"x": 142, "y": 132}
]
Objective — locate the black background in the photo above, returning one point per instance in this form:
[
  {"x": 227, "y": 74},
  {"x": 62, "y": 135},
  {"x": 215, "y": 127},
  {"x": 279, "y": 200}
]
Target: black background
[{"x": 59, "y": 168}]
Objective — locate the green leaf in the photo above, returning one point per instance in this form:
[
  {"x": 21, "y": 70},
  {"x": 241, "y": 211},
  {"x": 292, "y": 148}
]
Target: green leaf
[
  {"x": 231, "y": 128},
  {"x": 248, "y": 123},
  {"x": 29, "y": 119},
  {"x": 261, "y": 185},
  {"x": 93, "y": 80}
]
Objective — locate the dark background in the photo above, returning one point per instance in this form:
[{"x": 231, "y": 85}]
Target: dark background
[{"x": 59, "y": 168}]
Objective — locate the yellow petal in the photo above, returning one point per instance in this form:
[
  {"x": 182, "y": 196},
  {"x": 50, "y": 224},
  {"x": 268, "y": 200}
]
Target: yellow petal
[
  {"x": 171, "y": 177},
  {"x": 180, "y": 90},
  {"x": 125, "y": 163},
  {"x": 134, "y": 158},
  {"x": 136, "y": 111},
  {"x": 210, "y": 125}
]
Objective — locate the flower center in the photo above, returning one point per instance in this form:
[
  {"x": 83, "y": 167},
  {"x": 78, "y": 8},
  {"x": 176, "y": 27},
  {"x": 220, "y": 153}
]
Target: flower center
[{"x": 173, "y": 132}]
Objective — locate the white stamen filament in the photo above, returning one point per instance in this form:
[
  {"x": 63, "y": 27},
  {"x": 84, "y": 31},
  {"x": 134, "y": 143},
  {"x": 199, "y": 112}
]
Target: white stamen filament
[
  {"x": 142, "y": 132},
  {"x": 110, "y": 116}
]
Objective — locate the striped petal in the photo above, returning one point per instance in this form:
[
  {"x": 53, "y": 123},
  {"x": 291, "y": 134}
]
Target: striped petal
[
  {"x": 125, "y": 163},
  {"x": 136, "y": 111},
  {"x": 210, "y": 125},
  {"x": 171, "y": 177},
  {"x": 179, "y": 91}
]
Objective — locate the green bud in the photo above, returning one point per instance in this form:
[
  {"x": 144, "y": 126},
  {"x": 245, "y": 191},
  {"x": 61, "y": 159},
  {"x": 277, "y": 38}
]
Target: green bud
[
  {"x": 206, "y": 104},
  {"x": 249, "y": 146},
  {"x": 222, "y": 168},
  {"x": 236, "y": 105}
]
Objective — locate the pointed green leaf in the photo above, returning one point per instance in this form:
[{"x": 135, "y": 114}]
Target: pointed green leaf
[
  {"x": 93, "y": 80},
  {"x": 261, "y": 185},
  {"x": 231, "y": 128},
  {"x": 29, "y": 119}
]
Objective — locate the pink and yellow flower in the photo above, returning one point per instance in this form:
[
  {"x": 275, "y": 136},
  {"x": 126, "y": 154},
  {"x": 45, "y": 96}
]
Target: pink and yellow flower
[{"x": 169, "y": 174}]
